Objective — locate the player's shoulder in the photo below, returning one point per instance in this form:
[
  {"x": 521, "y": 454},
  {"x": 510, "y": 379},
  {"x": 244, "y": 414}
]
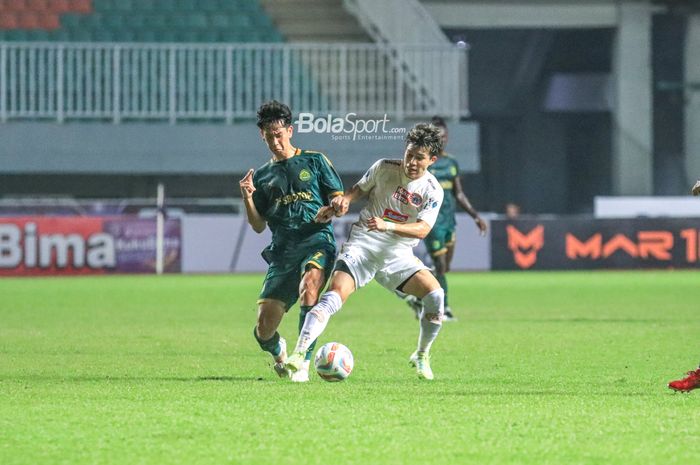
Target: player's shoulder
[
  {"x": 315, "y": 155},
  {"x": 388, "y": 164},
  {"x": 262, "y": 169},
  {"x": 430, "y": 183}
]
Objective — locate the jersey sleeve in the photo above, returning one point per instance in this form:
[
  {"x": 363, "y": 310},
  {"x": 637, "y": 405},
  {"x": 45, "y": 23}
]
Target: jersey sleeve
[
  {"x": 330, "y": 182},
  {"x": 369, "y": 180},
  {"x": 259, "y": 197},
  {"x": 431, "y": 207},
  {"x": 454, "y": 168}
]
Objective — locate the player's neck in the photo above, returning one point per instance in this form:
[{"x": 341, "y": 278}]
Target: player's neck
[{"x": 288, "y": 153}]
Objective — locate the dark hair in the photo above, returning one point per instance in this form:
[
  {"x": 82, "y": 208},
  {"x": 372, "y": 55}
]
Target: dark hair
[
  {"x": 272, "y": 112},
  {"x": 438, "y": 121},
  {"x": 426, "y": 136}
]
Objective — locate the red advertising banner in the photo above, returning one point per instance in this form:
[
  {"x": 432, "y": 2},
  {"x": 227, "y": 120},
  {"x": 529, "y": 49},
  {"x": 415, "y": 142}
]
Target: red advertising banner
[
  {"x": 580, "y": 244},
  {"x": 76, "y": 245}
]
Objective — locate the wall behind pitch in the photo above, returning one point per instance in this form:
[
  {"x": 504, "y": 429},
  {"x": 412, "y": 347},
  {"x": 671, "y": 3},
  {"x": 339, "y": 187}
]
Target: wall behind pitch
[
  {"x": 160, "y": 148},
  {"x": 226, "y": 243}
]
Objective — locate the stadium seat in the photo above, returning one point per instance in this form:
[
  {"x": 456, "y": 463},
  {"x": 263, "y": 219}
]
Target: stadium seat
[
  {"x": 81, "y": 6},
  {"x": 148, "y": 20},
  {"x": 8, "y": 21},
  {"x": 14, "y": 6},
  {"x": 37, "y": 5}
]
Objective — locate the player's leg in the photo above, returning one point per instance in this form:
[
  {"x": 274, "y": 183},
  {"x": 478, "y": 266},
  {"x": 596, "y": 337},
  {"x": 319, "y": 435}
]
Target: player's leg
[
  {"x": 278, "y": 294},
  {"x": 440, "y": 262},
  {"x": 270, "y": 313},
  {"x": 450, "y": 239},
  {"x": 426, "y": 287},
  {"x": 341, "y": 286},
  {"x": 408, "y": 274},
  {"x": 312, "y": 282}
]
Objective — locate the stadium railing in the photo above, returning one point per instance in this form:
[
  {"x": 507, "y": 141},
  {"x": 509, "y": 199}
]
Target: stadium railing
[{"x": 132, "y": 81}]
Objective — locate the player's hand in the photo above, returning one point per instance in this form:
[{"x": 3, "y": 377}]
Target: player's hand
[
  {"x": 481, "y": 224},
  {"x": 376, "y": 224},
  {"x": 324, "y": 215},
  {"x": 340, "y": 205},
  {"x": 696, "y": 188},
  {"x": 246, "y": 184}
]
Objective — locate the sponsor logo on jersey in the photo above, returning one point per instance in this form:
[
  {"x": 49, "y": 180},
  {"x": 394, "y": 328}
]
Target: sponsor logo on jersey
[
  {"x": 431, "y": 203},
  {"x": 304, "y": 175},
  {"x": 394, "y": 216},
  {"x": 295, "y": 197},
  {"x": 408, "y": 198}
]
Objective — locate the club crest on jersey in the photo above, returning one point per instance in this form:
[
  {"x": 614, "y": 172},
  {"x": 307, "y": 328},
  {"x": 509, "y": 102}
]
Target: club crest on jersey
[
  {"x": 406, "y": 197},
  {"x": 304, "y": 175},
  {"x": 394, "y": 216}
]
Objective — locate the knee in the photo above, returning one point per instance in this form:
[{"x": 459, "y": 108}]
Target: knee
[
  {"x": 310, "y": 287},
  {"x": 434, "y": 305}
]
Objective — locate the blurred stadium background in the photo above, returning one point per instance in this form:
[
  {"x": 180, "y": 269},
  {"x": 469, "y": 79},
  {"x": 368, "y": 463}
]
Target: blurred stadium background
[{"x": 585, "y": 114}]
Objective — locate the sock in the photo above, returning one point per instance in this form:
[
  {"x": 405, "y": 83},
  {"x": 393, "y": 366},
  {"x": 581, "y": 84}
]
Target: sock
[
  {"x": 272, "y": 345},
  {"x": 430, "y": 326},
  {"x": 442, "y": 279},
  {"x": 305, "y": 309},
  {"x": 317, "y": 319}
]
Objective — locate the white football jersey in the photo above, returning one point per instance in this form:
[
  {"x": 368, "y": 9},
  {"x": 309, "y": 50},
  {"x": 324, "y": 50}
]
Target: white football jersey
[{"x": 395, "y": 197}]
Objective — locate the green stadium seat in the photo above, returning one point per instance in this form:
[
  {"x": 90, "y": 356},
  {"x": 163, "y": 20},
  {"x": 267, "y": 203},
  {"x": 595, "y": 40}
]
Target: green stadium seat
[
  {"x": 186, "y": 5},
  {"x": 133, "y": 20},
  {"x": 165, "y": 6}
]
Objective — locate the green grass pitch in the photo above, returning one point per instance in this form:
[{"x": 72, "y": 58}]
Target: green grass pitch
[{"x": 541, "y": 368}]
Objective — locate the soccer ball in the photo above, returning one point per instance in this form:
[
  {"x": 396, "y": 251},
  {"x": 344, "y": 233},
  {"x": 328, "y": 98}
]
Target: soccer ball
[{"x": 333, "y": 362}]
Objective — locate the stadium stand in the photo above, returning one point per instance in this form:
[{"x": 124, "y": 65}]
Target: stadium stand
[{"x": 136, "y": 21}]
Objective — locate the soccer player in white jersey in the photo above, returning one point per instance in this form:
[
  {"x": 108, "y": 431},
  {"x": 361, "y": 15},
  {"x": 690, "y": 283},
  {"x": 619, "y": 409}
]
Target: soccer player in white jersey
[{"x": 403, "y": 201}]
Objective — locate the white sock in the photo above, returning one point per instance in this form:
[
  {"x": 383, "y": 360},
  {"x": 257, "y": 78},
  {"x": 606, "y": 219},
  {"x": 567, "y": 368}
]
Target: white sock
[
  {"x": 317, "y": 320},
  {"x": 431, "y": 319}
]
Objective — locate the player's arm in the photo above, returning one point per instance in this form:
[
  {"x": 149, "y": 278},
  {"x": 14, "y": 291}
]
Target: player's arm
[
  {"x": 696, "y": 188},
  {"x": 463, "y": 202},
  {"x": 255, "y": 219},
  {"x": 339, "y": 204},
  {"x": 417, "y": 230}
]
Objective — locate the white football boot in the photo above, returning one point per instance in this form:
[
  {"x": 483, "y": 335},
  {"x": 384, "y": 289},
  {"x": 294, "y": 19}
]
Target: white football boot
[
  {"x": 422, "y": 364},
  {"x": 302, "y": 374}
]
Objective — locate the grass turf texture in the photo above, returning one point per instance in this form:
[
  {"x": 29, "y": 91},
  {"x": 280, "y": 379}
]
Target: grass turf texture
[{"x": 541, "y": 368}]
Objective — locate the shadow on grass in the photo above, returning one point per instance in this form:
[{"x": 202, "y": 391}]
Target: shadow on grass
[
  {"x": 547, "y": 393},
  {"x": 183, "y": 379}
]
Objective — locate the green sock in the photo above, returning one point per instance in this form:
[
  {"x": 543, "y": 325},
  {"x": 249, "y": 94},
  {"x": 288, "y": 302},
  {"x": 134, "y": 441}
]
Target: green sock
[
  {"x": 442, "y": 279},
  {"x": 272, "y": 345},
  {"x": 304, "y": 309}
]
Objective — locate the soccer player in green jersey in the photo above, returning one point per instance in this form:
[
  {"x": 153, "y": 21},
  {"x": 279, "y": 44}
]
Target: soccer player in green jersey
[
  {"x": 285, "y": 194},
  {"x": 440, "y": 242}
]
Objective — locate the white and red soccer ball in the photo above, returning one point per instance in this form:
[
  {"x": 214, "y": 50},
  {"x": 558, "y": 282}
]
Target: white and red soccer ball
[{"x": 333, "y": 362}]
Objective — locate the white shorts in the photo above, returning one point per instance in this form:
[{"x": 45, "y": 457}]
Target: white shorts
[{"x": 368, "y": 254}]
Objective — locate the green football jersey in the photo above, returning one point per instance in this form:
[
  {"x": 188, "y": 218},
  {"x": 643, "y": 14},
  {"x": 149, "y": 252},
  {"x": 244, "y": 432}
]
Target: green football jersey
[
  {"x": 445, "y": 170},
  {"x": 289, "y": 193}
]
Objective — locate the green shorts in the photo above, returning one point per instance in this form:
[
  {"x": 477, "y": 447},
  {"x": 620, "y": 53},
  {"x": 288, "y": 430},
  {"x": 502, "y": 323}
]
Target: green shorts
[
  {"x": 438, "y": 239},
  {"x": 284, "y": 275}
]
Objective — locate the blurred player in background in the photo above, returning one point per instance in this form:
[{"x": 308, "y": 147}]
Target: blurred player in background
[
  {"x": 441, "y": 239},
  {"x": 285, "y": 194},
  {"x": 692, "y": 381},
  {"x": 403, "y": 203}
]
